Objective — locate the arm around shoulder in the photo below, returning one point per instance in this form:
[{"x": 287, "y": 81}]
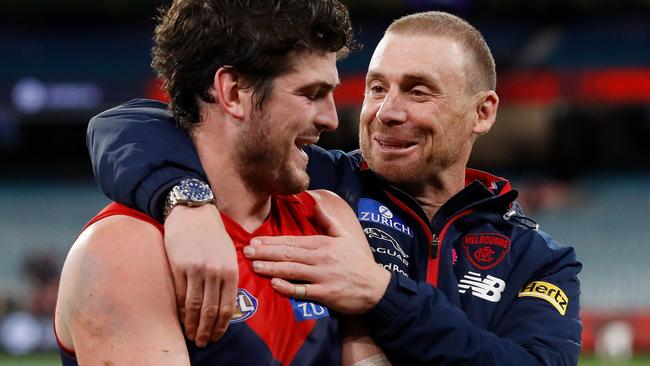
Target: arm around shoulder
[
  {"x": 116, "y": 298},
  {"x": 138, "y": 153}
]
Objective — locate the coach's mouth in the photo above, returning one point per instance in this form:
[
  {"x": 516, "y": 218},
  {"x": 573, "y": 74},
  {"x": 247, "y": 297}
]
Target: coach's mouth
[{"x": 393, "y": 144}]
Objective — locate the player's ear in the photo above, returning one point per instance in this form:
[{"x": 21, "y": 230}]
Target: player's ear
[
  {"x": 228, "y": 91},
  {"x": 486, "y": 111}
]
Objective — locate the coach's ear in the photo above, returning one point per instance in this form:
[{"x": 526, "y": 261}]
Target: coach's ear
[
  {"x": 228, "y": 91},
  {"x": 487, "y": 103}
]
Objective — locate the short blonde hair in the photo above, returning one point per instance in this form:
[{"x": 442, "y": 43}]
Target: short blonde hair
[{"x": 437, "y": 23}]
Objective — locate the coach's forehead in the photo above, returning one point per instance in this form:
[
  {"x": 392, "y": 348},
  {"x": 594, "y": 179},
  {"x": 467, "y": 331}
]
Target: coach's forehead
[{"x": 399, "y": 55}]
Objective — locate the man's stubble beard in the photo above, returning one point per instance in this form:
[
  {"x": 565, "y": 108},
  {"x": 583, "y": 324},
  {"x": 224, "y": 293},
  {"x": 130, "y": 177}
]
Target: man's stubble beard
[
  {"x": 263, "y": 160},
  {"x": 412, "y": 174}
]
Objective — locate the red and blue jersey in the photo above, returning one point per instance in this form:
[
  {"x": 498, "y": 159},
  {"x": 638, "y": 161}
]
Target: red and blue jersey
[{"x": 267, "y": 328}]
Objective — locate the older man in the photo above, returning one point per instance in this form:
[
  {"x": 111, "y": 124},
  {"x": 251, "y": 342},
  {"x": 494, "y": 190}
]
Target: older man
[{"x": 473, "y": 281}]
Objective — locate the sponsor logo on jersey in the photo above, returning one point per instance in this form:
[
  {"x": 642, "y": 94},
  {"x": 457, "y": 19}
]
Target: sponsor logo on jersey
[
  {"x": 373, "y": 211},
  {"x": 384, "y": 211},
  {"x": 307, "y": 310},
  {"x": 547, "y": 291},
  {"x": 485, "y": 250},
  {"x": 245, "y": 306},
  {"x": 393, "y": 267},
  {"x": 395, "y": 251},
  {"x": 488, "y": 288}
]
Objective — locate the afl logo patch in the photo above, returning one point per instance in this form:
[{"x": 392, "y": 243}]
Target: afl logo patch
[
  {"x": 245, "y": 307},
  {"x": 485, "y": 250}
]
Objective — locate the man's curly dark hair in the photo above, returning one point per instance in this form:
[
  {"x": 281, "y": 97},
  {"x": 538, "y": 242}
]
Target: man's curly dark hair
[{"x": 257, "y": 38}]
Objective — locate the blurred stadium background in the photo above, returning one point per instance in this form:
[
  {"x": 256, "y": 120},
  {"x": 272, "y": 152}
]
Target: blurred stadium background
[{"x": 573, "y": 134}]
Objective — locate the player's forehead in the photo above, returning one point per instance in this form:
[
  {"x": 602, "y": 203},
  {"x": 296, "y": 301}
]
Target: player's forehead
[{"x": 311, "y": 68}]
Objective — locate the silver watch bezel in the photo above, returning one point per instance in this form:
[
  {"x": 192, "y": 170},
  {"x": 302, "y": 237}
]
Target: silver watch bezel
[{"x": 190, "y": 192}]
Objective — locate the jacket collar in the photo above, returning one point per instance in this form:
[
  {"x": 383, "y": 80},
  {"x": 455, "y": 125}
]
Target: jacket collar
[{"x": 482, "y": 189}]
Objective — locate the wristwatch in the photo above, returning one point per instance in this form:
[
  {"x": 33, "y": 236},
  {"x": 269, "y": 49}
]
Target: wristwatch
[{"x": 190, "y": 192}]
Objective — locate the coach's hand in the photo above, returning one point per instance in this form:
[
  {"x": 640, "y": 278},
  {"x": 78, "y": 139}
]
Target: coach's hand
[
  {"x": 203, "y": 262},
  {"x": 338, "y": 267}
]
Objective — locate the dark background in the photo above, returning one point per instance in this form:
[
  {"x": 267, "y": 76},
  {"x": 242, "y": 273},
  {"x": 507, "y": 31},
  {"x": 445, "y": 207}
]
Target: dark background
[
  {"x": 572, "y": 131},
  {"x": 585, "y": 63}
]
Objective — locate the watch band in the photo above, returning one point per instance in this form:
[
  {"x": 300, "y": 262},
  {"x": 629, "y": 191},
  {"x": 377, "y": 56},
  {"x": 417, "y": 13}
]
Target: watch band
[{"x": 189, "y": 192}]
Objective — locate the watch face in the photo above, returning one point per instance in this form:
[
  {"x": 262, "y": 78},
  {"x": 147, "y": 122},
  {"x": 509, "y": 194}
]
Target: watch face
[{"x": 195, "y": 190}]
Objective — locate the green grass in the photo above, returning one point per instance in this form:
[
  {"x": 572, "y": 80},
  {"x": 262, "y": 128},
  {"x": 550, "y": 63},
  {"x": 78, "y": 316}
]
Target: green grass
[
  {"x": 52, "y": 359},
  {"x": 38, "y": 359},
  {"x": 637, "y": 361}
]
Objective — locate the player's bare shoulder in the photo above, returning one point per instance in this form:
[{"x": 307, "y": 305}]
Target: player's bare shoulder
[
  {"x": 104, "y": 270},
  {"x": 109, "y": 243},
  {"x": 337, "y": 210},
  {"x": 330, "y": 202}
]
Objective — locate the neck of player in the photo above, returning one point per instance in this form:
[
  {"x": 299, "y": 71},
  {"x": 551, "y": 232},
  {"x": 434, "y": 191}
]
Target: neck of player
[{"x": 236, "y": 198}]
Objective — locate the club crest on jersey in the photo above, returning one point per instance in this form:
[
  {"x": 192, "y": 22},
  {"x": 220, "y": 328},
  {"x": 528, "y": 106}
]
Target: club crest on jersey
[
  {"x": 373, "y": 211},
  {"x": 485, "y": 250},
  {"x": 245, "y": 307},
  {"x": 307, "y": 310}
]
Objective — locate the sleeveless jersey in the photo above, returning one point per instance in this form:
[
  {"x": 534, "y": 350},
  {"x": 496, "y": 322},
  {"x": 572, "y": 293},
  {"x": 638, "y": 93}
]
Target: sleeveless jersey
[{"x": 267, "y": 328}]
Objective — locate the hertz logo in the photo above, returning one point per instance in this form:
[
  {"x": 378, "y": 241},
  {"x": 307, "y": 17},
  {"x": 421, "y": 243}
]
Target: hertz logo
[{"x": 547, "y": 291}]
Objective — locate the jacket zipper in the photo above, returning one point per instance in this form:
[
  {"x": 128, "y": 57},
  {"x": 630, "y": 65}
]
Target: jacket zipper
[
  {"x": 433, "y": 265},
  {"x": 435, "y": 240},
  {"x": 435, "y": 243}
]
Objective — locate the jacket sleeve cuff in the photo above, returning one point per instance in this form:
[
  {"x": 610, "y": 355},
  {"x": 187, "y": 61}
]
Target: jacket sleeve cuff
[
  {"x": 396, "y": 299},
  {"x": 154, "y": 188}
]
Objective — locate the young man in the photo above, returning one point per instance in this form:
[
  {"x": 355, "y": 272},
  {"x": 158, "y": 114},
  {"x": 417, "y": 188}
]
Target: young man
[
  {"x": 473, "y": 281},
  {"x": 251, "y": 83}
]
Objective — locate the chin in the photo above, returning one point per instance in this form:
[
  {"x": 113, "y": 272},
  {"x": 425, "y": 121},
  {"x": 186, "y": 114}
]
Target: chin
[
  {"x": 301, "y": 181},
  {"x": 397, "y": 172},
  {"x": 292, "y": 182}
]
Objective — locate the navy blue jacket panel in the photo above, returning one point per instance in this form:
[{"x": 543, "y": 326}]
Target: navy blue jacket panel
[
  {"x": 137, "y": 146},
  {"x": 500, "y": 287},
  {"x": 478, "y": 284}
]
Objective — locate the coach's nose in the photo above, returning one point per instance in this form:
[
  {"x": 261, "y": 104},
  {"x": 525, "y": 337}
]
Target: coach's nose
[{"x": 391, "y": 109}]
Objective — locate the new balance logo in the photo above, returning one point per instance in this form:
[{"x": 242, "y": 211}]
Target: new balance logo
[{"x": 488, "y": 288}]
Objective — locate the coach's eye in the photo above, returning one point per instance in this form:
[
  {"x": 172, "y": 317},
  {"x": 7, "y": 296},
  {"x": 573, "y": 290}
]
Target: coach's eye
[
  {"x": 375, "y": 90},
  {"x": 418, "y": 93}
]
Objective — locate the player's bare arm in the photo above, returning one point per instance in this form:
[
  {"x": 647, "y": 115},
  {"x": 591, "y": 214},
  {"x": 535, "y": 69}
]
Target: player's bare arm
[
  {"x": 358, "y": 348},
  {"x": 203, "y": 262},
  {"x": 116, "y": 300}
]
